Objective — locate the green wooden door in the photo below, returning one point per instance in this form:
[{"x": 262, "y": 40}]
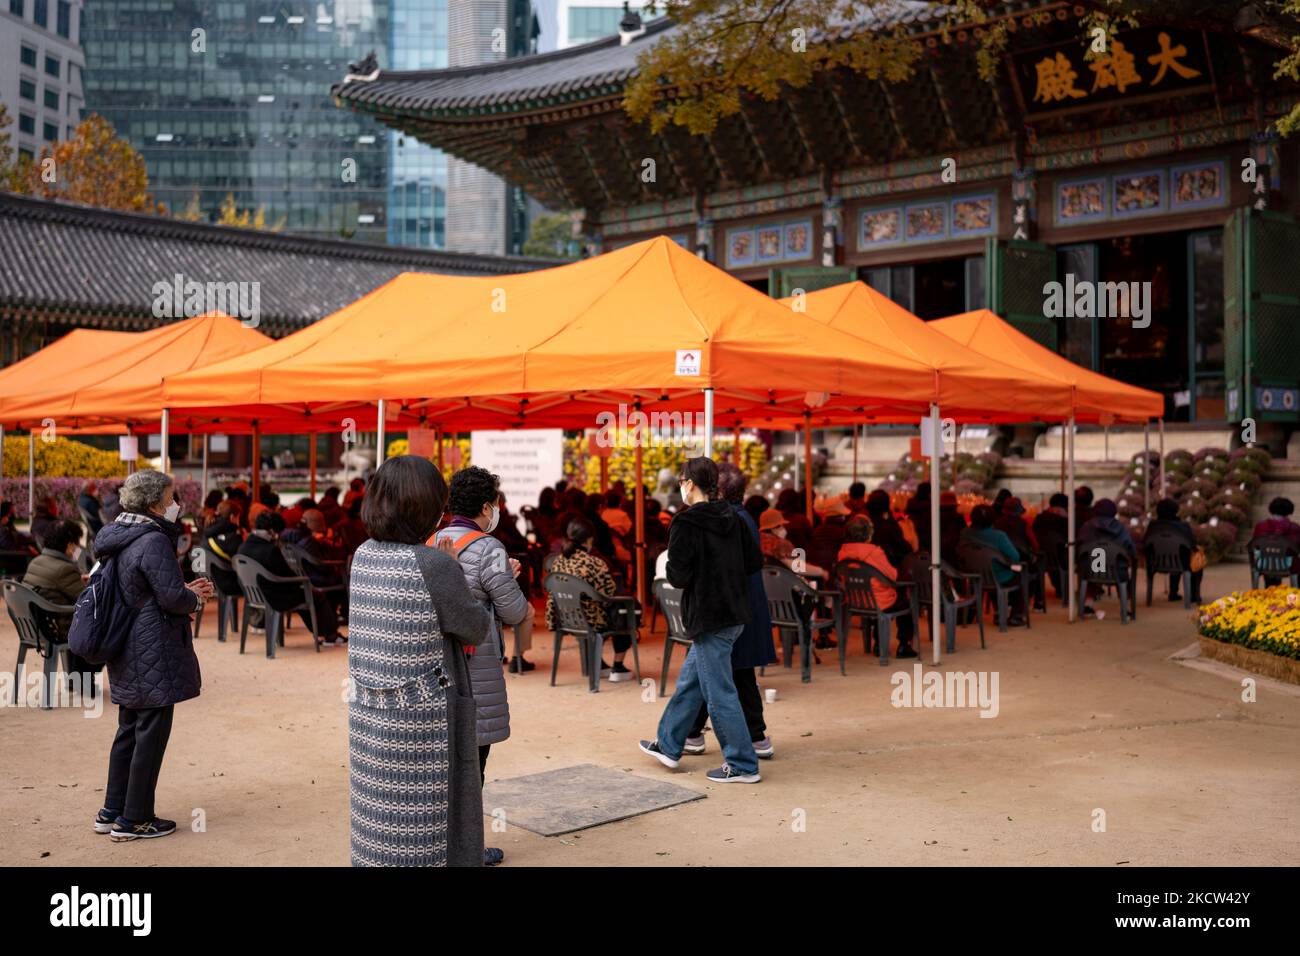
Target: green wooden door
[
  {"x": 783, "y": 282},
  {"x": 1017, "y": 272},
  {"x": 1261, "y": 316}
]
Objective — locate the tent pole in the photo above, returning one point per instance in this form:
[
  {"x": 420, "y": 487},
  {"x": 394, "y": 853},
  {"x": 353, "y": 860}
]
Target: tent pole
[
  {"x": 439, "y": 441},
  {"x": 311, "y": 465},
  {"x": 1161, "y": 486},
  {"x": 735, "y": 445},
  {"x": 936, "y": 587},
  {"x": 1146, "y": 470},
  {"x": 797, "y": 481},
  {"x": 379, "y": 434},
  {"x": 953, "y": 487},
  {"x": 1063, "y": 440},
  {"x": 1105, "y": 443},
  {"x": 604, "y": 474},
  {"x": 1069, "y": 576},
  {"x": 807, "y": 465},
  {"x": 31, "y": 475},
  {"x": 855, "y": 452},
  {"x": 257, "y": 463},
  {"x": 165, "y": 429},
  {"x": 205, "y": 466},
  {"x": 708, "y": 423},
  {"x": 130, "y": 465},
  {"x": 638, "y": 569}
]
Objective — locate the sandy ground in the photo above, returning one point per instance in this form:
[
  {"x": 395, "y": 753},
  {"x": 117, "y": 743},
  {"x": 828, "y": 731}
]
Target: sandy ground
[{"x": 1093, "y": 717}]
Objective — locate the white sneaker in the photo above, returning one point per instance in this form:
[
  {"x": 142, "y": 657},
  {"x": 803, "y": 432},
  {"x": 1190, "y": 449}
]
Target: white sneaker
[{"x": 619, "y": 673}]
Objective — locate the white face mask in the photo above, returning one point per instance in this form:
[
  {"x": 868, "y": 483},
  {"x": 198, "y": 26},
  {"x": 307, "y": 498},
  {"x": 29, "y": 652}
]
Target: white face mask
[
  {"x": 496, "y": 516},
  {"x": 76, "y": 552},
  {"x": 779, "y": 532},
  {"x": 173, "y": 511}
]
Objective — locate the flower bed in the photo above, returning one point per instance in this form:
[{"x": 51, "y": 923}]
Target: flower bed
[{"x": 1259, "y": 630}]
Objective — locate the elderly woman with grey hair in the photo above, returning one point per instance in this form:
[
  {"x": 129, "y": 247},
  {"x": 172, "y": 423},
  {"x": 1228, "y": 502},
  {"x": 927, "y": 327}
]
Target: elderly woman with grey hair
[{"x": 156, "y": 668}]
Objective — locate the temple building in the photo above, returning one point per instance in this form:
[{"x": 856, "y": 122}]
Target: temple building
[{"x": 1144, "y": 181}]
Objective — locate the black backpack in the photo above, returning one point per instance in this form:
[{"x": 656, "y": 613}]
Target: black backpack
[{"x": 102, "y": 620}]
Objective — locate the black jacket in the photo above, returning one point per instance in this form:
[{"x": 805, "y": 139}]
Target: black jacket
[
  {"x": 157, "y": 666},
  {"x": 282, "y": 597},
  {"x": 711, "y": 554}
]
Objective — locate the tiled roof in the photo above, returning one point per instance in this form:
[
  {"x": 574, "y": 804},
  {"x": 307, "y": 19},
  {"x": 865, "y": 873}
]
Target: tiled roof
[
  {"x": 591, "y": 70},
  {"x": 64, "y": 259}
]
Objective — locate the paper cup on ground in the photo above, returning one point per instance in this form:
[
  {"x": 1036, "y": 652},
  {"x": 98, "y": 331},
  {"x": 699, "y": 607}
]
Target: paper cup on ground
[{"x": 770, "y": 695}]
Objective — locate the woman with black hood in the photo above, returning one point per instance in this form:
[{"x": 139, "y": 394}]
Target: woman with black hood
[
  {"x": 156, "y": 668},
  {"x": 711, "y": 555}
]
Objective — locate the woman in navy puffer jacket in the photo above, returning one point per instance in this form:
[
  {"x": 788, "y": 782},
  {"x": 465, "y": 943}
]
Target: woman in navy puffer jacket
[{"x": 156, "y": 668}]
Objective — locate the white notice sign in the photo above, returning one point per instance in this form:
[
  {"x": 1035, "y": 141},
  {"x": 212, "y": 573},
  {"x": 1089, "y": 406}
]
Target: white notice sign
[
  {"x": 527, "y": 461},
  {"x": 128, "y": 447}
]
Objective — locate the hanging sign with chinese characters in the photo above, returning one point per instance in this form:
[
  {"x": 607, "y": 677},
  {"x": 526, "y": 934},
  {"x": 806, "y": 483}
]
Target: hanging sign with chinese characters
[{"x": 1135, "y": 64}]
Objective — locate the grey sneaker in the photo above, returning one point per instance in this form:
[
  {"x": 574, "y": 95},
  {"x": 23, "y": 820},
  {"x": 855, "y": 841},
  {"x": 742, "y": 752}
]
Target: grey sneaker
[
  {"x": 725, "y": 774},
  {"x": 651, "y": 747},
  {"x": 619, "y": 673},
  {"x": 694, "y": 745},
  {"x": 764, "y": 748}
]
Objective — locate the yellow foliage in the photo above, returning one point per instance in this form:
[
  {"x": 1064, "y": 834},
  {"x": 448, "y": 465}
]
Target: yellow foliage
[{"x": 61, "y": 458}]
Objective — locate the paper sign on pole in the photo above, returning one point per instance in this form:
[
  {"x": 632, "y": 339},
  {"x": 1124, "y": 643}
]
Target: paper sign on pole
[
  {"x": 929, "y": 440},
  {"x": 526, "y": 461},
  {"x": 422, "y": 442},
  {"x": 128, "y": 447},
  {"x": 598, "y": 448}
]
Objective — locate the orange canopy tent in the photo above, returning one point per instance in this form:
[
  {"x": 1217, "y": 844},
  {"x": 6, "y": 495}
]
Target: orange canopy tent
[
  {"x": 65, "y": 357},
  {"x": 109, "y": 381},
  {"x": 969, "y": 385},
  {"x": 1095, "y": 398},
  {"x": 649, "y": 324}
]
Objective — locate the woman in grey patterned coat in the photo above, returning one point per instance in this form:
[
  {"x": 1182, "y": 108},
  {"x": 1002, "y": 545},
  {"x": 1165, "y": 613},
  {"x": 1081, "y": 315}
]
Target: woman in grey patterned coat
[{"x": 413, "y": 748}]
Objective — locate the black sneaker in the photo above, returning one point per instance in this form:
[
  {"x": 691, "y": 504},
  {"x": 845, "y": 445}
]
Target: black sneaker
[
  {"x": 651, "y": 748},
  {"x": 492, "y": 856},
  {"x": 105, "y": 819},
  {"x": 619, "y": 673},
  {"x": 905, "y": 650},
  {"x": 725, "y": 774},
  {"x": 520, "y": 666},
  {"x": 124, "y": 830}
]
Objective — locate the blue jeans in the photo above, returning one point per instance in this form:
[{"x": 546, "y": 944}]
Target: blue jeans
[{"x": 706, "y": 678}]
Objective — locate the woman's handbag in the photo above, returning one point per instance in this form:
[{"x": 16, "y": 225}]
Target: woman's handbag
[{"x": 1198, "y": 560}]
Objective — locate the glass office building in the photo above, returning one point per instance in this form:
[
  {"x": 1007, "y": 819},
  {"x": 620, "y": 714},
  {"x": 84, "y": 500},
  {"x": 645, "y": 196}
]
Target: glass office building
[{"x": 232, "y": 97}]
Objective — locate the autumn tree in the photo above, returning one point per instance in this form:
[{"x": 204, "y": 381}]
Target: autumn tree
[
  {"x": 231, "y": 215},
  {"x": 96, "y": 167},
  {"x": 10, "y": 164},
  {"x": 723, "y": 50},
  {"x": 548, "y": 237}
]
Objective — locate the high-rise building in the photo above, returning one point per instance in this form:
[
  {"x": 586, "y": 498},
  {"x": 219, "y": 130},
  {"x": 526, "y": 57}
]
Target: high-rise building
[
  {"x": 41, "y": 63},
  {"x": 582, "y": 21},
  {"x": 484, "y": 213},
  {"x": 232, "y": 98}
]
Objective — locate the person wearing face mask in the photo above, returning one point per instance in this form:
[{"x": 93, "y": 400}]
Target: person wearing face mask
[
  {"x": 711, "y": 554},
  {"x": 54, "y": 575},
  {"x": 156, "y": 667},
  {"x": 490, "y": 575},
  {"x": 776, "y": 546}
]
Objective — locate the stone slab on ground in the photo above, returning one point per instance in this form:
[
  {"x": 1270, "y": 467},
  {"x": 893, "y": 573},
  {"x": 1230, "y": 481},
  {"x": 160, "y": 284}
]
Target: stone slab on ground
[{"x": 576, "y": 798}]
